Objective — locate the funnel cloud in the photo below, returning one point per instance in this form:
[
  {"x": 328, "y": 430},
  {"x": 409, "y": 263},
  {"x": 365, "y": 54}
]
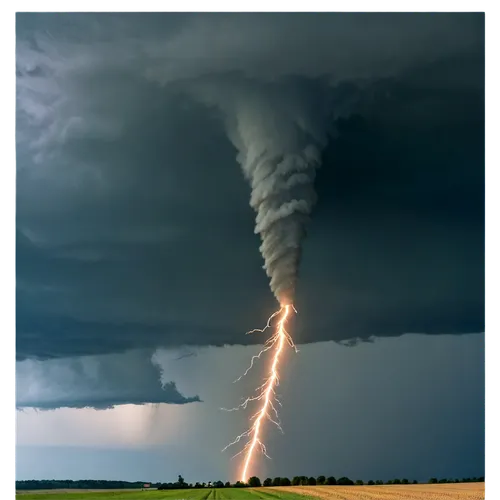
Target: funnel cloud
[{"x": 279, "y": 136}]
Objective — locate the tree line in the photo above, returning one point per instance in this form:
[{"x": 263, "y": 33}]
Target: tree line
[
  {"x": 81, "y": 484},
  {"x": 253, "y": 482}
]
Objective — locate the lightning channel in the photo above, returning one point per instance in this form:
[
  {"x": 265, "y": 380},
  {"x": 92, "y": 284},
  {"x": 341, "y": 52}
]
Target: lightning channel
[{"x": 265, "y": 393}]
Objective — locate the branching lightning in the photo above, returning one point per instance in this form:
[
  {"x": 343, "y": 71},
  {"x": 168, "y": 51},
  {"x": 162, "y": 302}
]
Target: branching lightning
[{"x": 266, "y": 392}]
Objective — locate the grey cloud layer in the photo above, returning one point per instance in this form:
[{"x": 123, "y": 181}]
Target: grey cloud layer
[
  {"x": 134, "y": 228},
  {"x": 98, "y": 382}
]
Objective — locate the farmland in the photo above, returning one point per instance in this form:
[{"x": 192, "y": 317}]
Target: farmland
[
  {"x": 464, "y": 491},
  {"x": 467, "y": 491},
  {"x": 188, "y": 494}
]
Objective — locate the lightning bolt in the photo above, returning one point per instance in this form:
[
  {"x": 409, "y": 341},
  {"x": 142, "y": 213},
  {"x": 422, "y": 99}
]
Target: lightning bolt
[{"x": 266, "y": 392}]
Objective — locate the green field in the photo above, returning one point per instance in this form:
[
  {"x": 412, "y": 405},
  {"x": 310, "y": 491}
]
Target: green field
[{"x": 202, "y": 494}]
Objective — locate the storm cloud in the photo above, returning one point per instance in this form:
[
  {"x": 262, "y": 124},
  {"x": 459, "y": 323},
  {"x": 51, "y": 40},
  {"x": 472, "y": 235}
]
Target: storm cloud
[
  {"x": 99, "y": 382},
  {"x": 134, "y": 228}
]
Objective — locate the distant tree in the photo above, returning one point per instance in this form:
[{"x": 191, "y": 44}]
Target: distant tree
[
  {"x": 203, "y": 485},
  {"x": 218, "y": 484},
  {"x": 227, "y": 485},
  {"x": 180, "y": 481},
  {"x": 268, "y": 482},
  {"x": 239, "y": 484},
  {"x": 415, "y": 481},
  {"x": 404, "y": 481},
  {"x": 443, "y": 480},
  {"x": 396, "y": 481},
  {"x": 277, "y": 481},
  {"x": 321, "y": 480},
  {"x": 371, "y": 482},
  {"x": 359, "y": 482},
  {"x": 285, "y": 481},
  {"x": 304, "y": 481},
  {"x": 311, "y": 481},
  {"x": 197, "y": 485},
  {"x": 481, "y": 479},
  {"x": 433, "y": 480},
  {"x": 254, "y": 482},
  {"x": 379, "y": 482},
  {"x": 389, "y": 481},
  {"x": 296, "y": 480},
  {"x": 331, "y": 481},
  {"x": 345, "y": 481}
]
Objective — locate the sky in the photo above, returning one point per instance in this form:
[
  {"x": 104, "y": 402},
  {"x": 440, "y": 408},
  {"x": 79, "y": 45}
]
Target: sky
[{"x": 138, "y": 268}]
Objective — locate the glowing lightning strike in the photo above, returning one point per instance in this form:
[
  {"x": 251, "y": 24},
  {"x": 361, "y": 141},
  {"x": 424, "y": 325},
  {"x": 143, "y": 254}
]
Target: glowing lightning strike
[{"x": 265, "y": 392}]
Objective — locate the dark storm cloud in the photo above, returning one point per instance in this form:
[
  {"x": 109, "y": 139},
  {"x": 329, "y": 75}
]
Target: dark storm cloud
[
  {"x": 98, "y": 382},
  {"x": 134, "y": 228}
]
